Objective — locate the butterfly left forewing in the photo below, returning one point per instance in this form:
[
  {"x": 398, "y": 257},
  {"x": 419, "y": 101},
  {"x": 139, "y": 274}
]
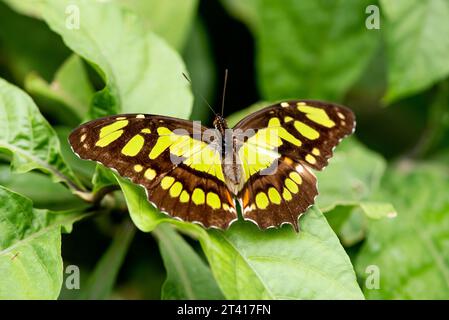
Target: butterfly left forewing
[{"x": 181, "y": 173}]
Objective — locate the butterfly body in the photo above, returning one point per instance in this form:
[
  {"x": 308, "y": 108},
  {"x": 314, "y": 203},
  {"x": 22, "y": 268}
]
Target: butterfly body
[
  {"x": 198, "y": 174},
  {"x": 227, "y": 147}
]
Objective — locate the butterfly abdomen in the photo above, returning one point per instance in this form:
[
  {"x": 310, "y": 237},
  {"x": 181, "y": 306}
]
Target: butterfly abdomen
[{"x": 231, "y": 167}]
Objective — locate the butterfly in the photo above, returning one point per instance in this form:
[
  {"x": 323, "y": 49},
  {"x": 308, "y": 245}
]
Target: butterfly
[{"x": 199, "y": 174}]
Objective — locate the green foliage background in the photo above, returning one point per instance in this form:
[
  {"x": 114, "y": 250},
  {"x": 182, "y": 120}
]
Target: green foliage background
[{"x": 383, "y": 200}]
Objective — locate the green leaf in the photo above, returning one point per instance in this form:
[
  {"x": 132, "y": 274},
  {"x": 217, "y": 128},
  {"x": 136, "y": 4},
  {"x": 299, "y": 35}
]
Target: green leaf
[
  {"x": 252, "y": 264},
  {"x": 282, "y": 264},
  {"x": 312, "y": 49},
  {"x": 348, "y": 223},
  {"x": 70, "y": 92},
  {"x": 350, "y": 184},
  {"x": 158, "y": 16},
  {"x": 136, "y": 64},
  {"x": 103, "y": 178},
  {"x": 83, "y": 169},
  {"x": 352, "y": 176},
  {"x": 188, "y": 277},
  {"x": 30, "y": 248},
  {"x": 29, "y": 138},
  {"x": 410, "y": 251},
  {"x": 143, "y": 214},
  {"x": 40, "y": 189},
  {"x": 102, "y": 280},
  {"x": 351, "y": 223},
  {"x": 417, "y": 45}
]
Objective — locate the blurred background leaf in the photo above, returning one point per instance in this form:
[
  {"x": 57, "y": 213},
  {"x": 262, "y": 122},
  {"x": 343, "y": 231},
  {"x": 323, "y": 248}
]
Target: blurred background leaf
[
  {"x": 41, "y": 52},
  {"x": 416, "y": 33},
  {"x": 101, "y": 282},
  {"x": 412, "y": 250},
  {"x": 188, "y": 276},
  {"x": 69, "y": 94},
  {"x": 294, "y": 62}
]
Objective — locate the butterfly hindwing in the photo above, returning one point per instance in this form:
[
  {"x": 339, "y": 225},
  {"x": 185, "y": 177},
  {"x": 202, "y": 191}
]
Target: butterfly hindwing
[
  {"x": 193, "y": 198},
  {"x": 163, "y": 155},
  {"x": 281, "y": 197}
]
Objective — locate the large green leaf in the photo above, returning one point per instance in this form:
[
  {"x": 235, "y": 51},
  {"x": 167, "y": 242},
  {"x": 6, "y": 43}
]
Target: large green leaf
[
  {"x": 142, "y": 73},
  {"x": 188, "y": 277},
  {"x": 30, "y": 248},
  {"x": 313, "y": 48},
  {"x": 29, "y": 138},
  {"x": 282, "y": 264},
  {"x": 417, "y": 44},
  {"x": 275, "y": 264},
  {"x": 103, "y": 178},
  {"x": 159, "y": 16},
  {"x": 83, "y": 169},
  {"x": 410, "y": 251}
]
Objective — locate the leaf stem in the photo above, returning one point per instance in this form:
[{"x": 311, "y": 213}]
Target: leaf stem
[{"x": 95, "y": 198}]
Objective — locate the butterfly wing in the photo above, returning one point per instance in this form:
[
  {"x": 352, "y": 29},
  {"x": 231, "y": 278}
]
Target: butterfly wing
[
  {"x": 284, "y": 141},
  {"x": 181, "y": 174}
]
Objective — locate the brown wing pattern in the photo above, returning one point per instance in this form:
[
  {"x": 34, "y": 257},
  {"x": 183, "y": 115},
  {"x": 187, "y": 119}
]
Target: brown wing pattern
[
  {"x": 140, "y": 147},
  {"x": 280, "y": 186},
  {"x": 281, "y": 197}
]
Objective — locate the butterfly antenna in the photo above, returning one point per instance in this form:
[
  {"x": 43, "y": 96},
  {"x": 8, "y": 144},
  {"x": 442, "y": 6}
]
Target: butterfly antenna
[
  {"x": 201, "y": 96},
  {"x": 224, "y": 91}
]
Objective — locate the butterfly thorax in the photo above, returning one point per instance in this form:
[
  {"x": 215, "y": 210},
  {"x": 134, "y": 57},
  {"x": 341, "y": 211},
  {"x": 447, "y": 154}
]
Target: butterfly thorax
[{"x": 220, "y": 124}]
